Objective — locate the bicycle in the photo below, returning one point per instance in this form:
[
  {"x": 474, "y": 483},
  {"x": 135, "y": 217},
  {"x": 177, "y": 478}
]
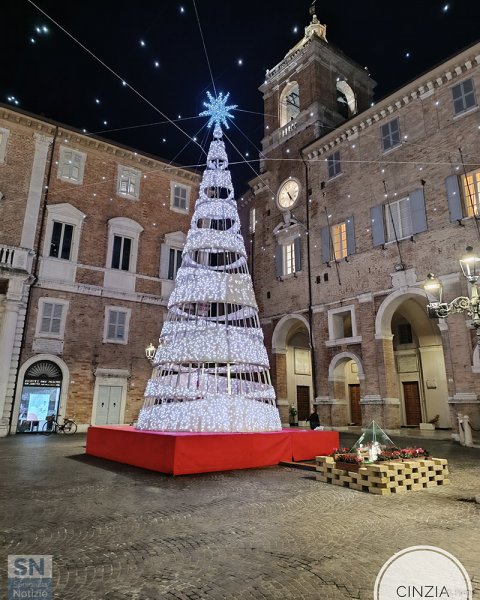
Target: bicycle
[{"x": 51, "y": 425}]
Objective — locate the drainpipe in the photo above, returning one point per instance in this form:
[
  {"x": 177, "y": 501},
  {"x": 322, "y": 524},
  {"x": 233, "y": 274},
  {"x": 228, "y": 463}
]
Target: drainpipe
[{"x": 309, "y": 274}]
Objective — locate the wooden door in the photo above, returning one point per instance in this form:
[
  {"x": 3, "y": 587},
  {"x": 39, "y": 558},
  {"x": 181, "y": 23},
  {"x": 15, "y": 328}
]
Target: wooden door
[
  {"x": 411, "y": 398},
  {"x": 303, "y": 402},
  {"x": 355, "y": 410}
]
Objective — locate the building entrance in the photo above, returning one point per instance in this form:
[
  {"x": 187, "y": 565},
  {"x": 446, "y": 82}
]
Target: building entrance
[
  {"x": 411, "y": 396},
  {"x": 355, "y": 409},
  {"x": 42, "y": 385},
  {"x": 303, "y": 402},
  {"x": 108, "y": 405}
]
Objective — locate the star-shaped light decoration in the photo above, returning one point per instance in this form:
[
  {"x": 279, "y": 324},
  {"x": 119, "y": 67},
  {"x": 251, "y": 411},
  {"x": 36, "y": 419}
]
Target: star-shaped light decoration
[{"x": 217, "y": 110}]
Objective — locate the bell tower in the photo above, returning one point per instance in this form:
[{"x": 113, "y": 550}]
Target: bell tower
[{"x": 310, "y": 92}]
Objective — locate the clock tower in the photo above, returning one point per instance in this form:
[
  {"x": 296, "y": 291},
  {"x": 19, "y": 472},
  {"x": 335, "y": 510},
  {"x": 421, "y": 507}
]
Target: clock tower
[{"x": 310, "y": 92}]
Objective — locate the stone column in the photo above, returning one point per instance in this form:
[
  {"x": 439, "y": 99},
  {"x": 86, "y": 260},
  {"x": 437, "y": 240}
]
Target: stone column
[
  {"x": 279, "y": 380},
  {"x": 339, "y": 402},
  {"x": 11, "y": 330},
  {"x": 35, "y": 192},
  {"x": 388, "y": 380}
]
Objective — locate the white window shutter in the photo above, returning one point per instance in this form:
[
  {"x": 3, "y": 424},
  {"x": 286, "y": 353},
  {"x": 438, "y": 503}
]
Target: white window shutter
[
  {"x": 454, "y": 198},
  {"x": 164, "y": 260},
  {"x": 417, "y": 211}
]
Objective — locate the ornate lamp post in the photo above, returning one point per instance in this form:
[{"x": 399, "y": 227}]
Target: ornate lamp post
[
  {"x": 150, "y": 352},
  {"x": 470, "y": 265}
]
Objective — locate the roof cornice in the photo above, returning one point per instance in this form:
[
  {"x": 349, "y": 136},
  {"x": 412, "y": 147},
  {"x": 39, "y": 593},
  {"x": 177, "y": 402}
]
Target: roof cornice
[
  {"x": 422, "y": 87},
  {"x": 90, "y": 142}
]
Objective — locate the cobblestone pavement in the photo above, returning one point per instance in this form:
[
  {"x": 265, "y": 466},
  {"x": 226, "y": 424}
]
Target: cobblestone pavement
[{"x": 120, "y": 533}]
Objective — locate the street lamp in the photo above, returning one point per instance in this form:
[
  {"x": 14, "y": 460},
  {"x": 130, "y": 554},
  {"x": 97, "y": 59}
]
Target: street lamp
[
  {"x": 470, "y": 265},
  {"x": 150, "y": 352}
]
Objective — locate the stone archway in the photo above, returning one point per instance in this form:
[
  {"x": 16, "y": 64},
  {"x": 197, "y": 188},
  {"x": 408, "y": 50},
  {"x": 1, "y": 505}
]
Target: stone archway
[
  {"x": 346, "y": 100},
  {"x": 345, "y": 376},
  {"x": 413, "y": 371},
  {"x": 292, "y": 372},
  {"x": 65, "y": 380}
]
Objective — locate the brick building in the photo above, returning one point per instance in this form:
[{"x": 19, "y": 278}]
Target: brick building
[
  {"x": 355, "y": 204},
  {"x": 91, "y": 235}
]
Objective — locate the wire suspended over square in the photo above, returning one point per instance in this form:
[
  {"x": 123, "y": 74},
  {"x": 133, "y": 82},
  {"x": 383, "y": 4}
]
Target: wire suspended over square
[{"x": 211, "y": 369}]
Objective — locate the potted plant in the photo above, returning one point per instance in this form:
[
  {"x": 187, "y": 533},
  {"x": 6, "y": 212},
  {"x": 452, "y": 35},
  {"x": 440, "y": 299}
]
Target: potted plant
[
  {"x": 348, "y": 462},
  {"x": 292, "y": 416}
]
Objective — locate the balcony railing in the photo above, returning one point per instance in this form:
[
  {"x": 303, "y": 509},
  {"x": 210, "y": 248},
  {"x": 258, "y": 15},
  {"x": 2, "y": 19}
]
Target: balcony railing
[{"x": 13, "y": 257}]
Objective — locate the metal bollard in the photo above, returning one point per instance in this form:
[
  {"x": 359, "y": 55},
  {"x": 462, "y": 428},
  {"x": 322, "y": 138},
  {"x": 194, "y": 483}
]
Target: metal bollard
[{"x": 461, "y": 433}]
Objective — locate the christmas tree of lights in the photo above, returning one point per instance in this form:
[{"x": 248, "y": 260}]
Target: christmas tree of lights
[{"x": 211, "y": 370}]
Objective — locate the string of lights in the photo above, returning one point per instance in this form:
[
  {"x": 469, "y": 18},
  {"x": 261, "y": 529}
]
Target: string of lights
[{"x": 211, "y": 369}]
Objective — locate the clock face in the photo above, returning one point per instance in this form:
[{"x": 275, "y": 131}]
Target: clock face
[{"x": 288, "y": 194}]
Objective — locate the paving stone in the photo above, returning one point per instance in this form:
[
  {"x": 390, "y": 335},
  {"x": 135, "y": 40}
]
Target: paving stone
[{"x": 120, "y": 533}]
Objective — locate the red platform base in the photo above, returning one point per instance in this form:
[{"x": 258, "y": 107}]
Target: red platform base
[{"x": 185, "y": 453}]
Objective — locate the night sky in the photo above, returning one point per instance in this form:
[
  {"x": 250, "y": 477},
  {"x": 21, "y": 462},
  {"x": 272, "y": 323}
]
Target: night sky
[{"x": 156, "y": 46}]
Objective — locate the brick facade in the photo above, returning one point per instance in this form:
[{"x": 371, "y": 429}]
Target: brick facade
[
  {"x": 379, "y": 283},
  {"x": 35, "y": 196}
]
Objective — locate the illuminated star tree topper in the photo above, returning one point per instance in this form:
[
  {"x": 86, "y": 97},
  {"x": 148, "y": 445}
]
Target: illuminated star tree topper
[{"x": 217, "y": 110}]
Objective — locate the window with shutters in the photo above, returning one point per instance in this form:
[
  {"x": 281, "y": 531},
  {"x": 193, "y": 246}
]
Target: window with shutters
[
  {"x": 463, "y": 97},
  {"x": 122, "y": 248},
  {"x": 288, "y": 256},
  {"x": 398, "y": 219},
  {"x": 128, "y": 182},
  {"x": 339, "y": 240},
  {"x": 52, "y": 314},
  {"x": 61, "y": 240},
  {"x": 171, "y": 257},
  {"x": 123, "y": 240},
  {"x": 390, "y": 135},
  {"x": 3, "y": 144},
  {"x": 471, "y": 193},
  {"x": 71, "y": 165},
  {"x": 405, "y": 217},
  {"x": 174, "y": 262},
  {"x": 334, "y": 165},
  {"x": 117, "y": 321},
  {"x": 252, "y": 222},
  {"x": 179, "y": 197},
  {"x": 61, "y": 243},
  {"x": 289, "y": 259}
]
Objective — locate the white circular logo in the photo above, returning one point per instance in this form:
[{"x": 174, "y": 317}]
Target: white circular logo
[{"x": 423, "y": 572}]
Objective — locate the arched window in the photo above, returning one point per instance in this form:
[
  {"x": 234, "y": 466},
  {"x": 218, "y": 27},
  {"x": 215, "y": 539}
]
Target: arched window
[
  {"x": 289, "y": 103},
  {"x": 346, "y": 101}
]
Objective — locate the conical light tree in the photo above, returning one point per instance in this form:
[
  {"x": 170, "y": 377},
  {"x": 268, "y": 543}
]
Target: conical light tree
[{"x": 211, "y": 370}]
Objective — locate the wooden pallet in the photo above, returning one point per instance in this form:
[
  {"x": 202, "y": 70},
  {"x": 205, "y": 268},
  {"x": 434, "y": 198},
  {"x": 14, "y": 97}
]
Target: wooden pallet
[{"x": 387, "y": 478}]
